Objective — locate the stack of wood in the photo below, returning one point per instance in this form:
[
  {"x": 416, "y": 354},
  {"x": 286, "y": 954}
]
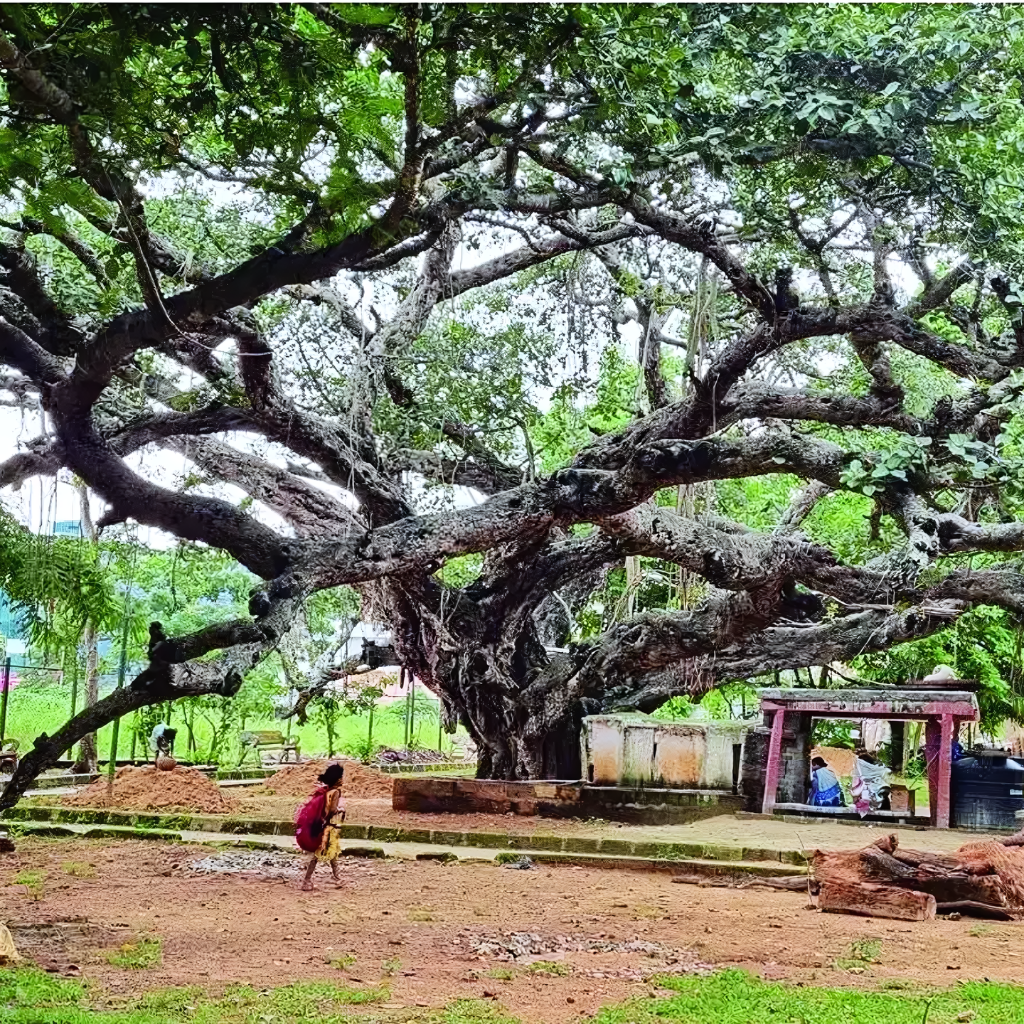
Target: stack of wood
[{"x": 981, "y": 879}]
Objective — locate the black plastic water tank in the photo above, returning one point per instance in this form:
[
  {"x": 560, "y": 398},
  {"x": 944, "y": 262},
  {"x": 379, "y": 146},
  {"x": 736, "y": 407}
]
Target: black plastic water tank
[{"x": 987, "y": 790}]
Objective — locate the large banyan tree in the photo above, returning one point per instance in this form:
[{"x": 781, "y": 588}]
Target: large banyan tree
[{"x": 349, "y": 258}]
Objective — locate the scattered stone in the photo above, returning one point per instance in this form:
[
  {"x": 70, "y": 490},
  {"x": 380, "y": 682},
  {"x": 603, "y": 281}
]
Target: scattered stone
[
  {"x": 260, "y": 862},
  {"x": 520, "y": 864},
  {"x": 524, "y": 945}
]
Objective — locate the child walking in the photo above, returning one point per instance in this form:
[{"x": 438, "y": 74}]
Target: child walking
[{"x": 334, "y": 815}]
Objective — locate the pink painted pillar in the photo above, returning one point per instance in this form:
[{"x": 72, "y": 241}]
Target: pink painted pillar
[
  {"x": 774, "y": 769},
  {"x": 932, "y": 743},
  {"x": 942, "y": 796}
]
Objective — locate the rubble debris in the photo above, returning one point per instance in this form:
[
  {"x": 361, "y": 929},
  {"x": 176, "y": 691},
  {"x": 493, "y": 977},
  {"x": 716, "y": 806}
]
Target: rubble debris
[
  {"x": 525, "y": 947},
  {"x": 268, "y": 863},
  {"x": 523, "y": 863}
]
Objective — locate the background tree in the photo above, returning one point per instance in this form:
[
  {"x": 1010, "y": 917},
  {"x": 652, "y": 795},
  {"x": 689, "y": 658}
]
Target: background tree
[{"x": 812, "y": 210}]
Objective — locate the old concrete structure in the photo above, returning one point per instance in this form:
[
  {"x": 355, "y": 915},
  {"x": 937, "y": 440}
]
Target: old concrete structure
[{"x": 637, "y": 750}]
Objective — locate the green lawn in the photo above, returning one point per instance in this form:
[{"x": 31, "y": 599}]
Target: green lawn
[
  {"x": 734, "y": 997},
  {"x": 29, "y": 996},
  {"x": 33, "y": 710}
]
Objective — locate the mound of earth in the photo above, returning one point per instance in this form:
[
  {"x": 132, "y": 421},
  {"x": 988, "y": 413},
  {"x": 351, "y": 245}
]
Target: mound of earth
[
  {"x": 147, "y": 789},
  {"x": 839, "y": 759},
  {"x": 360, "y": 782}
]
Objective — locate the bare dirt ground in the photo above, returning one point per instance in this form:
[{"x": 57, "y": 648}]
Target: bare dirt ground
[{"x": 434, "y": 933}]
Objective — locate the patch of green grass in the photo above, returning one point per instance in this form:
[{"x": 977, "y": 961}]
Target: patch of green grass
[
  {"x": 976, "y": 931},
  {"x": 421, "y": 913},
  {"x": 500, "y": 973},
  {"x": 861, "y": 954},
  {"x": 391, "y": 965},
  {"x": 34, "y": 882},
  {"x": 897, "y": 985},
  {"x": 28, "y": 986},
  {"x": 30, "y": 996},
  {"x": 140, "y": 955},
  {"x": 473, "y": 1011},
  {"x": 734, "y": 997},
  {"x": 315, "y": 1000},
  {"x": 342, "y": 961},
  {"x": 556, "y": 970},
  {"x": 507, "y": 857},
  {"x": 78, "y": 869}
]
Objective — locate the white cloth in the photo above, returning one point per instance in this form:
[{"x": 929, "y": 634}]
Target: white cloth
[
  {"x": 865, "y": 788},
  {"x": 156, "y": 739}
]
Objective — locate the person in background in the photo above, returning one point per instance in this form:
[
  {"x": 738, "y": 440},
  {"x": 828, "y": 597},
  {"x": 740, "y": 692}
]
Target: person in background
[
  {"x": 870, "y": 785},
  {"x": 825, "y": 788},
  {"x": 162, "y": 741},
  {"x": 334, "y": 815}
]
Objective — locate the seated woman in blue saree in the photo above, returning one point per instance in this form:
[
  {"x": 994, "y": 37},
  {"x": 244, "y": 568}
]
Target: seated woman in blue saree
[{"x": 825, "y": 790}]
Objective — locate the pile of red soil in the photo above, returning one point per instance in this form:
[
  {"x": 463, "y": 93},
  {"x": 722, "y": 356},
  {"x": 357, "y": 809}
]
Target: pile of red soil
[
  {"x": 360, "y": 782},
  {"x": 147, "y": 789},
  {"x": 839, "y": 759}
]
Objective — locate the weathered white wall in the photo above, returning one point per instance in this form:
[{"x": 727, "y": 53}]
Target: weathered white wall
[{"x": 632, "y": 749}]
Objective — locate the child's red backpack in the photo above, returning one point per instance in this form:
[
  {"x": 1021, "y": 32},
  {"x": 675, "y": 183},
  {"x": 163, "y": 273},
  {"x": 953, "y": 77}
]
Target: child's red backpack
[{"x": 309, "y": 821}]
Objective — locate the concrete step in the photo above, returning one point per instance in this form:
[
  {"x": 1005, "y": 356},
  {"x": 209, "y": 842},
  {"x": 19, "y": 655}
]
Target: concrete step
[
  {"x": 224, "y": 825},
  {"x": 685, "y": 866}
]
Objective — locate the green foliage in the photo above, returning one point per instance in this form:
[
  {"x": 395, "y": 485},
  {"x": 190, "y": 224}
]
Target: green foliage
[
  {"x": 833, "y": 732},
  {"x": 871, "y": 473},
  {"x": 58, "y": 582},
  {"x": 140, "y": 955},
  {"x": 861, "y": 953},
  {"x": 33, "y": 880},
  {"x": 78, "y": 869},
  {"x": 983, "y": 644},
  {"x": 549, "y": 967},
  {"x": 298, "y": 112}
]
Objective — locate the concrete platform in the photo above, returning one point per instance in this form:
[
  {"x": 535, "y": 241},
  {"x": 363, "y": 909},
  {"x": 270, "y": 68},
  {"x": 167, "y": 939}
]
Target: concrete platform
[{"x": 637, "y": 805}]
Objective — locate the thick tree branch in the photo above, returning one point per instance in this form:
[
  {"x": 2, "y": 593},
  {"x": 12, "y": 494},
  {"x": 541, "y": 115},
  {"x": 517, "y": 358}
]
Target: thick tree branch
[{"x": 310, "y": 510}]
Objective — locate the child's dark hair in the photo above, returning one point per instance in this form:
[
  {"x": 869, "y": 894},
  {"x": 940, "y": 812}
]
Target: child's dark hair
[
  {"x": 818, "y": 762},
  {"x": 333, "y": 774}
]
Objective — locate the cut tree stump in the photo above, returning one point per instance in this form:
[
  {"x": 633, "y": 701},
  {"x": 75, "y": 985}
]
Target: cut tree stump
[{"x": 870, "y": 900}]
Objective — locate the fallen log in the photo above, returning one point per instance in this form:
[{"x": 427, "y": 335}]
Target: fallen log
[
  {"x": 920, "y": 858},
  {"x": 975, "y": 909},
  {"x": 869, "y": 899},
  {"x": 961, "y": 887},
  {"x": 793, "y": 883},
  {"x": 978, "y": 875},
  {"x": 1017, "y": 839}
]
